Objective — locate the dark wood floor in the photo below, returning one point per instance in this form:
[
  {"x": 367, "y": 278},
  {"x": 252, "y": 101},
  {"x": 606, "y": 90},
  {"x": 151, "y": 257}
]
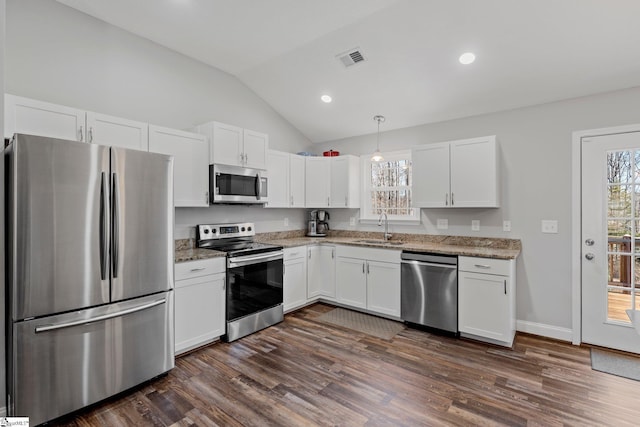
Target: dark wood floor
[{"x": 303, "y": 372}]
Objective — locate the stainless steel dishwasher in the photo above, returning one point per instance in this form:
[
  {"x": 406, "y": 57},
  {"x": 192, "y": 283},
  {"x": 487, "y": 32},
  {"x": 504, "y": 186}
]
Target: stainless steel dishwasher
[{"x": 429, "y": 290}]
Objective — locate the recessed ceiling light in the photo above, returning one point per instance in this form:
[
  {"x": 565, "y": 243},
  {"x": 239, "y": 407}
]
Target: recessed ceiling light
[
  {"x": 467, "y": 58},
  {"x": 325, "y": 98}
]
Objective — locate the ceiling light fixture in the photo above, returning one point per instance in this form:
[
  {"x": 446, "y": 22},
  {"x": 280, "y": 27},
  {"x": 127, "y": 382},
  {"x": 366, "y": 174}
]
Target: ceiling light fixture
[
  {"x": 325, "y": 98},
  {"x": 377, "y": 155},
  {"x": 467, "y": 58}
]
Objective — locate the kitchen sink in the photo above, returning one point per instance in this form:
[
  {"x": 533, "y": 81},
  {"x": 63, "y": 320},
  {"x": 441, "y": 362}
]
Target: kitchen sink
[{"x": 380, "y": 242}]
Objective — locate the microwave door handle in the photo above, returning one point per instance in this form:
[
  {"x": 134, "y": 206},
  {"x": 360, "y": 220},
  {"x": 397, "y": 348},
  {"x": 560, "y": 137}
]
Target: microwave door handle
[{"x": 258, "y": 186}]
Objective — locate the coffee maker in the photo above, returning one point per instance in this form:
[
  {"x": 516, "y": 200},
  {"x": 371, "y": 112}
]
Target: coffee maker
[
  {"x": 323, "y": 226},
  {"x": 312, "y": 227}
]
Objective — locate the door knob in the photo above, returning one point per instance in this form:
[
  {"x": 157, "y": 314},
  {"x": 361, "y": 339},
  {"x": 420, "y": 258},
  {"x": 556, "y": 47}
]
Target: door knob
[
  {"x": 589, "y": 256},
  {"x": 589, "y": 242}
]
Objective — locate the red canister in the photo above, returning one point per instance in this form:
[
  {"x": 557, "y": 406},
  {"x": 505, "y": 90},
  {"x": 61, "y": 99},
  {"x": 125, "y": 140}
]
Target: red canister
[{"x": 331, "y": 153}]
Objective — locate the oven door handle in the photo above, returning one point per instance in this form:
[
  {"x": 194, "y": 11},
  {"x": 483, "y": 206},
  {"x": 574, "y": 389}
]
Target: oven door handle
[{"x": 241, "y": 261}]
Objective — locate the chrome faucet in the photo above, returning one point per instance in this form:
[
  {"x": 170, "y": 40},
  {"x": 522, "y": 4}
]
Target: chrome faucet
[{"x": 387, "y": 235}]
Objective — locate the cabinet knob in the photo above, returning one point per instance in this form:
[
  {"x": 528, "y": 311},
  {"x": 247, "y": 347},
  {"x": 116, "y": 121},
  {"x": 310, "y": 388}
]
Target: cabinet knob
[
  {"x": 446, "y": 199},
  {"x": 589, "y": 256},
  {"x": 81, "y": 134},
  {"x": 91, "y": 134}
]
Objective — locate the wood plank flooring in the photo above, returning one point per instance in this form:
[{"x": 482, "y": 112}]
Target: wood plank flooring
[{"x": 303, "y": 372}]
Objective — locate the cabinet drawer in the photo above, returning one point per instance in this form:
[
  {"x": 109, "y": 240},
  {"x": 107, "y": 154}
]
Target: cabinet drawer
[
  {"x": 485, "y": 265},
  {"x": 202, "y": 267},
  {"x": 295, "y": 253}
]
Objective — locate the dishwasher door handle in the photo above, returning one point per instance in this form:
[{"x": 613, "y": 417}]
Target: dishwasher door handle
[{"x": 429, "y": 264}]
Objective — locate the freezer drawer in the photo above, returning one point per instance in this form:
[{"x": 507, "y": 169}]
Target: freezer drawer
[{"x": 65, "y": 362}]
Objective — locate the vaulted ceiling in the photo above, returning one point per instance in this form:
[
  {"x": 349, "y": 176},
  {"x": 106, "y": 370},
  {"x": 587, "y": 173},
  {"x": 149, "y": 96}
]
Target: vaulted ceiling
[{"x": 528, "y": 52}]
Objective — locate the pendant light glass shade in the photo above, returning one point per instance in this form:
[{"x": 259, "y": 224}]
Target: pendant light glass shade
[{"x": 377, "y": 155}]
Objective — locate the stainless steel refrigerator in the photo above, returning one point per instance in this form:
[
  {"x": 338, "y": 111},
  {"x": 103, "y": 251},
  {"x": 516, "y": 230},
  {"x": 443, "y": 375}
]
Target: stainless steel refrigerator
[{"x": 89, "y": 273}]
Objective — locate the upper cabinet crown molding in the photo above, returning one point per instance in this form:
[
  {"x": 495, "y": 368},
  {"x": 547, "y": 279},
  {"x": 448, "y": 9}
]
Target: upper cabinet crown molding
[
  {"x": 235, "y": 146},
  {"x": 456, "y": 174}
]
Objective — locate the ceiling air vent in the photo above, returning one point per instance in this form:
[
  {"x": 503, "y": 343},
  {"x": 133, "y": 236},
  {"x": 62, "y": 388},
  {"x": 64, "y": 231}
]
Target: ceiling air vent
[{"x": 351, "y": 57}]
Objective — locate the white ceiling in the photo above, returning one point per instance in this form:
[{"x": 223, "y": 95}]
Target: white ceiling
[{"x": 528, "y": 52}]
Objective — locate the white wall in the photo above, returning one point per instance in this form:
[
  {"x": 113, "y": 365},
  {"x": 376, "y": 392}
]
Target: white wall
[
  {"x": 57, "y": 54},
  {"x": 535, "y": 146}
]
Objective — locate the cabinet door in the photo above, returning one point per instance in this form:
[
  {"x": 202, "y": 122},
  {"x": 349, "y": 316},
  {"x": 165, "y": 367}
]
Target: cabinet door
[
  {"x": 474, "y": 173},
  {"x": 321, "y": 272},
  {"x": 24, "y": 115},
  {"x": 484, "y": 306},
  {"x": 190, "y": 167},
  {"x": 317, "y": 182},
  {"x": 297, "y": 181},
  {"x": 351, "y": 274},
  {"x": 430, "y": 175},
  {"x": 226, "y": 145},
  {"x": 383, "y": 288},
  {"x": 108, "y": 130},
  {"x": 295, "y": 283},
  {"x": 255, "y": 146},
  {"x": 339, "y": 196},
  {"x": 278, "y": 173},
  {"x": 199, "y": 311}
]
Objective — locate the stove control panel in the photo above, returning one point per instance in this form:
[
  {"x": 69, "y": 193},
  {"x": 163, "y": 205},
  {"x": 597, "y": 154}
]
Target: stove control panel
[{"x": 224, "y": 231}]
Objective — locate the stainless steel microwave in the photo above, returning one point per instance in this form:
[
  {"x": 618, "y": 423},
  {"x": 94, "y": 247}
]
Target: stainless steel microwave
[{"x": 235, "y": 184}]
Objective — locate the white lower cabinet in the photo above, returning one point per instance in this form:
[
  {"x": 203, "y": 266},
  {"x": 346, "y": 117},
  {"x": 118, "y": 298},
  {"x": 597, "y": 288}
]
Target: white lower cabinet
[
  {"x": 295, "y": 278},
  {"x": 369, "y": 279},
  {"x": 199, "y": 303},
  {"x": 321, "y": 272},
  {"x": 486, "y": 299}
]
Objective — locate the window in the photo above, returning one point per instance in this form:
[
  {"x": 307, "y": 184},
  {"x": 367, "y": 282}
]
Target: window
[{"x": 387, "y": 188}]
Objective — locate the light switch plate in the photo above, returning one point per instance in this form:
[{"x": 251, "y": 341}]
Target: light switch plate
[
  {"x": 506, "y": 225},
  {"x": 550, "y": 226},
  {"x": 352, "y": 221},
  {"x": 286, "y": 222},
  {"x": 443, "y": 224},
  {"x": 475, "y": 225}
]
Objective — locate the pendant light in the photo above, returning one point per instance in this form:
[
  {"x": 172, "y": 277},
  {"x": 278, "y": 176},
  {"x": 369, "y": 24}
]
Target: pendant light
[{"x": 377, "y": 155}]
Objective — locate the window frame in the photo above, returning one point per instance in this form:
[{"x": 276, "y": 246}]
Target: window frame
[{"x": 366, "y": 212}]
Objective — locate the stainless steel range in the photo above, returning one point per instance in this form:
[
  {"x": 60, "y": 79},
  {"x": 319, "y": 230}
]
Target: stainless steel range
[{"x": 254, "y": 277}]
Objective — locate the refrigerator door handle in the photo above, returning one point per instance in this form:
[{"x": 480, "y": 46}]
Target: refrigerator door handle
[
  {"x": 115, "y": 227},
  {"x": 121, "y": 313},
  {"x": 104, "y": 224}
]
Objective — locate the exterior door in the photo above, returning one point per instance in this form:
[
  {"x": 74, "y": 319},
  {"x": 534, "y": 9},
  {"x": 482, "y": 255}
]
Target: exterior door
[
  {"x": 610, "y": 239},
  {"x": 142, "y": 202}
]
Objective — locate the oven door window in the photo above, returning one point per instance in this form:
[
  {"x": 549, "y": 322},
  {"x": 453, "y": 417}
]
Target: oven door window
[
  {"x": 253, "y": 288},
  {"x": 236, "y": 185}
]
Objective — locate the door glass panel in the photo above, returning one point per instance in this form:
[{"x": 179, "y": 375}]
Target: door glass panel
[
  {"x": 618, "y": 301},
  {"x": 623, "y": 237}
]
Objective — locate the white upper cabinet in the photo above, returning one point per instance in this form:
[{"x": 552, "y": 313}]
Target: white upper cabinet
[
  {"x": 278, "y": 173},
  {"x": 332, "y": 182},
  {"x": 108, "y": 130},
  {"x": 431, "y": 175},
  {"x": 24, "y": 115},
  {"x": 458, "y": 174},
  {"x": 286, "y": 174},
  {"x": 297, "y": 181},
  {"x": 232, "y": 145},
  {"x": 190, "y": 167},
  {"x": 474, "y": 173},
  {"x": 255, "y": 149},
  {"x": 345, "y": 184},
  {"x": 318, "y": 182}
]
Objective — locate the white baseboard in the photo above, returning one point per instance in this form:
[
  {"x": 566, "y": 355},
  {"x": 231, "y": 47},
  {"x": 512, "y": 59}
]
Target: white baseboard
[{"x": 555, "y": 332}]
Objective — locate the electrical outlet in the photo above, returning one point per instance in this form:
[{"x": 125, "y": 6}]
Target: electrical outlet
[
  {"x": 506, "y": 225},
  {"x": 550, "y": 226},
  {"x": 443, "y": 224},
  {"x": 352, "y": 221},
  {"x": 475, "y": 225},
  {"x": 286, "y": 222}
]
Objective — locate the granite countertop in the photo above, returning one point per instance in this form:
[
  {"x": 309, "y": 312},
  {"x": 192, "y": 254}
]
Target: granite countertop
[
  {"x": 485, "y": 247},
  {"x": 497, "y": 248}
]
